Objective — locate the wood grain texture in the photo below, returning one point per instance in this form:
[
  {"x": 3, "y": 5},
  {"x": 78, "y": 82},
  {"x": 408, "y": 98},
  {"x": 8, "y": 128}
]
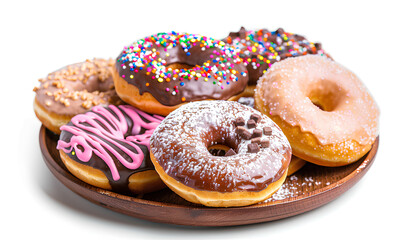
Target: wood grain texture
[{"x": 309, "y": 188}]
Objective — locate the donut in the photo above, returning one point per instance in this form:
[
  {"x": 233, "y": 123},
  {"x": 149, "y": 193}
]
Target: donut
[
  {"x": 108, "y": 147},
  {"x": 159, "y": 73},
  {"x": 254, "y": 167},
  {"x": 72, "y": 90},
  {"x": 261, "y": 48},
  {"x": 295, "y": 163},
  {"x": 325, "y": 111}
]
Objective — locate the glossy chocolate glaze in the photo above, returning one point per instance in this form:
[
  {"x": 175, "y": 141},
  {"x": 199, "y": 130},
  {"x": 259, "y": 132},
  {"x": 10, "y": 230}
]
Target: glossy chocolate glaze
[
  {"x": 202, "y": 124},
  {"x": 210, "y": 75},
  {"x": 96, "y": 161},
  {"x": 272, "y": 46}
]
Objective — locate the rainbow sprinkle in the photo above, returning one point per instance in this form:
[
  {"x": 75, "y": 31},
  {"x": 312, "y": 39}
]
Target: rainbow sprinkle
[
  {"x": 264, "y": 47},
  {"x": 146, "y": 56}
]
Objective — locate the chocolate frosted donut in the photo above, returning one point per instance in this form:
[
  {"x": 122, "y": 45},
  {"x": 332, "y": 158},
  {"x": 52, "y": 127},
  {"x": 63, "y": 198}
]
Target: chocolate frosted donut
[
  {"x": 260, "y": 49},
  {"x": 252, "y": 169},
  {"x": 160, "y": 72},
  {"x": 108, "y": 147},
  {"x": 72, "y": 90}
]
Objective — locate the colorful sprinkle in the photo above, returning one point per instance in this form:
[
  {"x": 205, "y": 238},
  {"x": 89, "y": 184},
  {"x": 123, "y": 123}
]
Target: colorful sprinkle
[
  {"x": 147, "y": 56},
  {"x": 265, "y": 47}
]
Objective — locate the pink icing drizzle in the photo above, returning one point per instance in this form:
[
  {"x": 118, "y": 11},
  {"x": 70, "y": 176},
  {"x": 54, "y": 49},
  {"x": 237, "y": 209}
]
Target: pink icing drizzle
[{"x": 88, "y": 133}]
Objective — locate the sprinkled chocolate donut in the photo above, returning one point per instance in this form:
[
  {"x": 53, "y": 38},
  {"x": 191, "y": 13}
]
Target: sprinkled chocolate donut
[
  {"x": 253, "y": 168},
  {"x": 159, "y": 73},
  {"x": 108, "y": 147},
  {"x": 260, "y": 49},
  {"x": 72, "y": 90}
]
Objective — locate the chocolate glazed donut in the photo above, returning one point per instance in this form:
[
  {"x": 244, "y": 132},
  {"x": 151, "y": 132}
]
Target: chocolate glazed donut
[
  {"x": 176, "y": 68},
  {"x": 260, "y": 49},
  {"x": 113, "y": 140},
  {"x": 252, "y": 169}
]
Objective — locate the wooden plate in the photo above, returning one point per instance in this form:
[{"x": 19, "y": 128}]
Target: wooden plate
[{"x": 309, "y": 188}]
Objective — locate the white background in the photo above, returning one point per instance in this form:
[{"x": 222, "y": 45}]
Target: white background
[{"x": 379, "y": 41}]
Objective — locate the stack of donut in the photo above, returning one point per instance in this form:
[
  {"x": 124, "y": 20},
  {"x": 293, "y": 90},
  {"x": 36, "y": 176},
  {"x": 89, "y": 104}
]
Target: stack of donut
[{"x": 169, "y": 111}]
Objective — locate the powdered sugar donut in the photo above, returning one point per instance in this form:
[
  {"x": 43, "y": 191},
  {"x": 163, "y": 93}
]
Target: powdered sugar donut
[{"x": 253, "y": 168}]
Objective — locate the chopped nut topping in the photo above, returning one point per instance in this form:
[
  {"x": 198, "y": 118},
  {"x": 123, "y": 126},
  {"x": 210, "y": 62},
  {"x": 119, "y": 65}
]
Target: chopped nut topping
[
  {"x": 87, "y": 104},
  {"x": 58, "y": 87}
]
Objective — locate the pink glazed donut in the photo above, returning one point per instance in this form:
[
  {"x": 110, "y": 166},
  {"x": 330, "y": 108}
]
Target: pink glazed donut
[{"x": 325, "y": 111}]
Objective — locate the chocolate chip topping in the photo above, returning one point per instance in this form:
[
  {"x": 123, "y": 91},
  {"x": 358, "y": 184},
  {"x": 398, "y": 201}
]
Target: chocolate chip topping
[
  {"x": 267, "y": 131},
  {"x": 256, "y": 140},
  {"x": 256, "y": 117},
  {"x": 231, "y": 152},
  {"x": 240, "y": 121},
  {"x": 265, "y": 143},
  {"x": 253, "y": 148},
  {"x": 251, "y": 123},
  {"x": 243, "y": 132},
  {"x": 256, "y": 133}
]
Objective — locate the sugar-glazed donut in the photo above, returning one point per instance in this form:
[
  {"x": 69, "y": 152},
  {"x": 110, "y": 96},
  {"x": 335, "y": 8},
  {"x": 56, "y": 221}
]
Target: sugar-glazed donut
[{"x": 323, "y": 108}]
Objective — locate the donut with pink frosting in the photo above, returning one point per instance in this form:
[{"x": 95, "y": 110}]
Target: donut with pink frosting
[
  {"x": 108, "y": 147},
  {"x": 325, "y": 111}
]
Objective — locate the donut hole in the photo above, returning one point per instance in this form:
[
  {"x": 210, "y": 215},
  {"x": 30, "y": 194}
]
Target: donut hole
[
  {"x": 218, "y": 140},
  {"x": 92, "y": 87},
  {"x": 318, "y": 104},
  {"x": 178, "y": 65},
  {"x": 219, "y": 150},
  {"x": 326, "y": 95}
]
